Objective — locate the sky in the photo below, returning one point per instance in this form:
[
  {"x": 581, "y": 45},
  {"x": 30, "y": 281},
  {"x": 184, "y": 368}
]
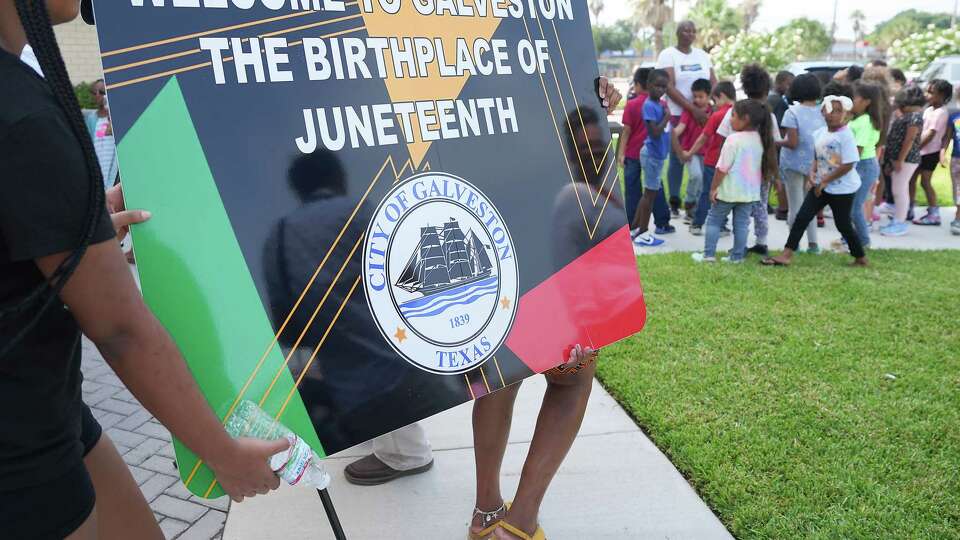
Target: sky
[{"x": 774, "y": 13}]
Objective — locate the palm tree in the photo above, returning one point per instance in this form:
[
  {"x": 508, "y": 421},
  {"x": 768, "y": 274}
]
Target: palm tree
[
  {"x": 750, "y": 10},
  {"x": 596, "y": 6},
  {"x": 655, "y": 14},
  {"x": 859, "y": 30}
]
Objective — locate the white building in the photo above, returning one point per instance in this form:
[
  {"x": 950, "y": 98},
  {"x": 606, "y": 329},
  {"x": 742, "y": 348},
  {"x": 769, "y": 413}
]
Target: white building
[{"x": 81, "y": 51}]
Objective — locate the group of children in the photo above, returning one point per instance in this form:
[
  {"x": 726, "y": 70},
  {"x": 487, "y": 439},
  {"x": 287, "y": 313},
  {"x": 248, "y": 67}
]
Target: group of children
[{"x": 834, "y": 143}]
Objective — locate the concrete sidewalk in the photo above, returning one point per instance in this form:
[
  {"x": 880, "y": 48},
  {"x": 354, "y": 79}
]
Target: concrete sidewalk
[
  {"x": 614, "y": 484},
  {"x": 919, "y": 237}
]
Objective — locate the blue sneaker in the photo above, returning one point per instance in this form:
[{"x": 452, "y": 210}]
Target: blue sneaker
[
  {"x": 666, "y": 229},
  {"x": 896, "y": 228},
  {"x": 647, "y": 240}
]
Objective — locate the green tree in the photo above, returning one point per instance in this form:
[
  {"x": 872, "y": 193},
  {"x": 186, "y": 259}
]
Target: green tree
[
  {"x": 771, "y": 50},
  {"x": 916, "y": 52},
  {"x": 715, "y": 21},
  {"x": 814, "y": 35},
  {"x": 618, "y": 36},
  {"x": 905, "y": 24},
  {"x": 655, "y": 14}
]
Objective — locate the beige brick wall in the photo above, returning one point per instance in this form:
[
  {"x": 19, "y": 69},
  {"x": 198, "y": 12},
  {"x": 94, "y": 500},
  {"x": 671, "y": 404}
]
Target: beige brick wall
[{"x": 81, "y": 52}]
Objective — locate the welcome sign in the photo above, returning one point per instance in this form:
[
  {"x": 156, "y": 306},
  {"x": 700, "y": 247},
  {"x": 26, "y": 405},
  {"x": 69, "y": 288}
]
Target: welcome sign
[{"x": 367, "y": 212}]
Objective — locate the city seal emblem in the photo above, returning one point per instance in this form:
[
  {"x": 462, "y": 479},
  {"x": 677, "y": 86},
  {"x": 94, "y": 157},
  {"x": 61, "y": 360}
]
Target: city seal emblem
[{"x": 440, "y": 273}]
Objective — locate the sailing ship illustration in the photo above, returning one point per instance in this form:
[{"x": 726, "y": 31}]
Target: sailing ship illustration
[{"x": 444, "y": 259}]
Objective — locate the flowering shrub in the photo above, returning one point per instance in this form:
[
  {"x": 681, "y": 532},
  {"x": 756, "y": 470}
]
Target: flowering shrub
[
  {"x": 771, "y": 50},
  {"x": 915, "y": 52}
]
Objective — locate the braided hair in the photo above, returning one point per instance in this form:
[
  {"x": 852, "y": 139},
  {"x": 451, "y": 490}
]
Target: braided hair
[{"x": 39, "y": 30}]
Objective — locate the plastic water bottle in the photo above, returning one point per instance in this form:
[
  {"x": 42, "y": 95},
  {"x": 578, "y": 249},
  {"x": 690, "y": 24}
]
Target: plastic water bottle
[{"x": 297, "y": 465}]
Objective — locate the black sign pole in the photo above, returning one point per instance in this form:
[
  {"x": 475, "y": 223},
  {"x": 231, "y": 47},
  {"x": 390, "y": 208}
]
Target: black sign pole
[{"x": 331, "y": 514}]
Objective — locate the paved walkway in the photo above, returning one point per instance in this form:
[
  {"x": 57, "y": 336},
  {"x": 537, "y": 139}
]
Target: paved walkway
[
  {"x": 145, "y": 446},
  {"x": 919, "y": 237},
  {"x": 615, "y": 484}
]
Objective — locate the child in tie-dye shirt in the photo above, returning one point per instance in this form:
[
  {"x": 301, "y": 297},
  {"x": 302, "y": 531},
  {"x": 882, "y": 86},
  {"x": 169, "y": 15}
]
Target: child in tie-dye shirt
[{"x": 747, "y": 160}]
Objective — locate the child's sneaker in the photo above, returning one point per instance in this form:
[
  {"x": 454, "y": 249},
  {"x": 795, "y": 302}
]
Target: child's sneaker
[
  {"x": 666, "y": 229},
  {"x": 932, "y": 217},
  {"x": 814, "y": 250},
  {"x": 699, "y": 257},
  {"x": 840, "y": 246},
  {"x": 731, "y": 260},
  {"x": 896, "y": 228},
  {"x": 696, "y": 230},
  {"x": 647, "y": 240},
  {"x": 955, "y": 226}
]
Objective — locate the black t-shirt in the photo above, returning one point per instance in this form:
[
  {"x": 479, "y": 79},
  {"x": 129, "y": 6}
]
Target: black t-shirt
[
  {"x": 778, "y": 106},
  {"x": 44, "y": 202}
]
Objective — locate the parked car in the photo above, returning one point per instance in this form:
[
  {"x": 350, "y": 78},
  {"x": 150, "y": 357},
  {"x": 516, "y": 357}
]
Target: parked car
[
  {"x": 945, "y": 67},
  {"x": 825, "y": 69}
]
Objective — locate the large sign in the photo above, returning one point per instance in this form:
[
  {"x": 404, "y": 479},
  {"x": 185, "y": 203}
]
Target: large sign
[{"x": 367, "y": 212}]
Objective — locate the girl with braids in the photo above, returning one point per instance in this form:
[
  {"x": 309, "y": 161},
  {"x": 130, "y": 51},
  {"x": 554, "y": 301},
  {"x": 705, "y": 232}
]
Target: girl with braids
[
  {"x": 748, "y": 160},
  {"x": 62, "y": 273}
]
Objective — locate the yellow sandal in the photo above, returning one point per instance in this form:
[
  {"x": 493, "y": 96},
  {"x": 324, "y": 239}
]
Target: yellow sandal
[
  {"x": 487, "y": 519},
  {"x": 537, "y": 535}
]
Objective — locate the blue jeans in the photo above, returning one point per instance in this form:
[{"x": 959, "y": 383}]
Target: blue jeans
[
  {"x": 741, "y": 228},
  {"x": 761, "y": 222},
  {"x": 661, "y": 210},
  {"x": 633, "y": 190},
  {"x": 869, "y": 171},
  {"x": 675, "y": 178},
  {"x": 694, "y": 179},
  {"x": 703, "y": 205},
  {"x": 632, "y": 186}
]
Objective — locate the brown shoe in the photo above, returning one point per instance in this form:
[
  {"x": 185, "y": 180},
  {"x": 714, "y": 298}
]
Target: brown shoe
[{"x": 370, "y": 471}]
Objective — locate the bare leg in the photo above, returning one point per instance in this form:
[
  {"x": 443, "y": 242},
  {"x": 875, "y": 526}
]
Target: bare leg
[
  {"x": 781, "y": 197},
  {"x": 644, "y": 209},
  {"x": 123, "y": 512},
  {"x": 561, "y": 414},
  {"x": 925, "y": 182},
  {"x": 913, "y": 188},
  {"x": 869, "y": 203},
  {"x": 87, "y": 531},
  {"x": 492, "y": 415}
]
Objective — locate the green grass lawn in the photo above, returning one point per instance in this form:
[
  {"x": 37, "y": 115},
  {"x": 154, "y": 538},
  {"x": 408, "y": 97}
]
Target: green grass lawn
[{"x": 816, "y": 401}]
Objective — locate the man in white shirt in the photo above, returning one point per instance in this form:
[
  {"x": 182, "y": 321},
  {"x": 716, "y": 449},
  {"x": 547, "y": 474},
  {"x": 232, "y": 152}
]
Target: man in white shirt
[{"x": 685, "y": 64}]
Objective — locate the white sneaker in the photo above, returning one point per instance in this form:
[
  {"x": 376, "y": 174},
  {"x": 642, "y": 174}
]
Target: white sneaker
[
  {"x": 647, "y": 240},
  {"x": 887, "y": 209},
  {"x": 699, "y": 257}
]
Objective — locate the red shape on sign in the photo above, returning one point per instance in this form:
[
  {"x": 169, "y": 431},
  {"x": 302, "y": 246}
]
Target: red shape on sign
[{"x": 574, "y": 306}]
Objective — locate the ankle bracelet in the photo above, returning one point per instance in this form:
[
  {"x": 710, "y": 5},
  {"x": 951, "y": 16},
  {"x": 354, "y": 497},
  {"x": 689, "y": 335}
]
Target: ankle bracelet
[{"x": 486, "y": 518}]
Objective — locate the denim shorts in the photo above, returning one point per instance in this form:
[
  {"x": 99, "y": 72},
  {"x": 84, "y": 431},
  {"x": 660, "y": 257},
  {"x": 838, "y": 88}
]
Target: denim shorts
[{"x": 652, "y": 171}]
